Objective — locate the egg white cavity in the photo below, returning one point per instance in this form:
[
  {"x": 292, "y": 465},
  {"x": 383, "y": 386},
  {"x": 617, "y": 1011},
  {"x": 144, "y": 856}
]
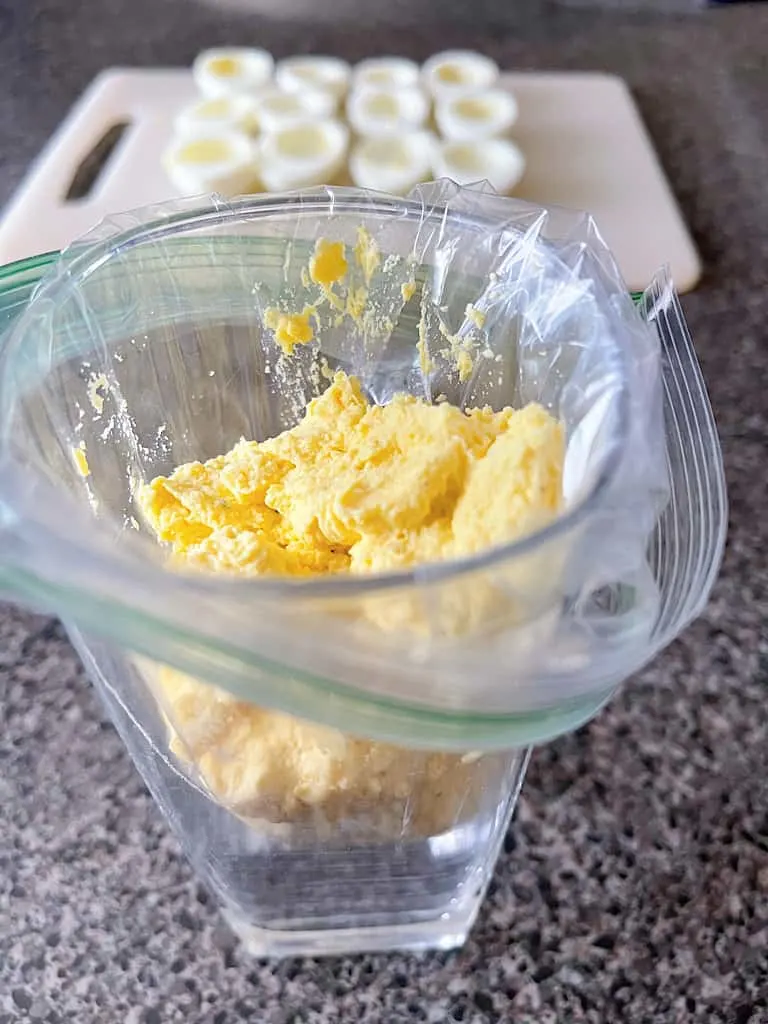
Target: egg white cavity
[
  {"x": 373, "y": 111},
  {"x": 303, "y": 155},
  {"x": 216, "y": 161},
  {"x": 386, "y": 73},
  {"x": 498, "y": 161},
  {"x": 223, "y": 113},
  {"x": 279, "y": 109},
  {"x": 457, "y": 72},
  {"x": 486, "y": 114},
  {"x": 392, "y": 164},
  {"x": 328, "y": 74},
  {"x": 232, "y": 70}
]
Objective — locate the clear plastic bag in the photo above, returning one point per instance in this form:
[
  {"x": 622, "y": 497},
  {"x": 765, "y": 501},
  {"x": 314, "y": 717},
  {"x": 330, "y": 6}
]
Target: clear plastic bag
[{"x": 147, "y": 347}]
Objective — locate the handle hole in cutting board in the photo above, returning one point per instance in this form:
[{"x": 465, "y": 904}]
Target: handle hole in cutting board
[{"x": 90, "y": 167}]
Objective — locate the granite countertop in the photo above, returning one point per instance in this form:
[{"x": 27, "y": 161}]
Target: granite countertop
[{"x": 634, "y": 882}]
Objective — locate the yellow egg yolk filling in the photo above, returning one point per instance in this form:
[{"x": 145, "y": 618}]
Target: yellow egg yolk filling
[
  {"x": 352, "y": 488},
  {"x": 362, "y": 488}
]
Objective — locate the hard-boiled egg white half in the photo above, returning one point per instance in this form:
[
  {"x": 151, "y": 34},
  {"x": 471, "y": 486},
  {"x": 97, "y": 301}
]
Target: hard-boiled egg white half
[
  {"x": 226, "y": 72},
  {"x": 392, "y": 164},
  {"x": 279, "y": 109},
  {"x": 386, "y": 73},
  {"x": 328, "y": 74},
  {"x": 214, "y": 161},
  {"x": 498, "y": 161},
  {"x": 224, "y": 113},
  {"x": 373, "y": 111},
  {"x": 481, "y": 115},
  {"x": 303, "y": 155},
  {"x": 456, "y": 72}
]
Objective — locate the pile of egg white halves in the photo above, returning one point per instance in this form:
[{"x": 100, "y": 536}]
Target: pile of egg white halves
[{"x": 385, "y": 124}]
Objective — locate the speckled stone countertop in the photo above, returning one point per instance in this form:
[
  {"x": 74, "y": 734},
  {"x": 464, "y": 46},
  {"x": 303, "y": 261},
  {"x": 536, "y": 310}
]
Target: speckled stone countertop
[{"x": 634, "y": 882}]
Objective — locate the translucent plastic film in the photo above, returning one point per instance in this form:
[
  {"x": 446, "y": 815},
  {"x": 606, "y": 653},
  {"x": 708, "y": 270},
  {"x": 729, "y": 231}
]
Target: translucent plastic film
[{"x": 172, "y": 335}]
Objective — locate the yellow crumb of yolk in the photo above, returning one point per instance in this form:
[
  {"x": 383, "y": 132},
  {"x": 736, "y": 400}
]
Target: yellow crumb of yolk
[
  {"x": 426, "y": 363},
  {"x": 81, "y": 461},
  {"x": 408, "y": 289},
  {"x": 291, "y": 329},
  {"x": 460, "y": 349},
  {"x": 97, "y": 387},
  {"x": 464, "y": 365},
  {"x": 475, "y": 316}
]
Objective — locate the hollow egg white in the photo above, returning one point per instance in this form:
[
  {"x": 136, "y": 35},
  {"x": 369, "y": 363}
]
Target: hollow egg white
[
  {"x": 374, "y": 111},
  {"x": 302, "y": 155},
  {"x": 232, "y": 70},
  {"x": 457, "y": 72},
  {"x": 237, "y": 112},
  {"x": 279, "y": 109},
  {"x": 214, "y": 161},
  {"x": 392, "y": 164},
  {"x": 498, "y": 161},
  {"x": 481, "y": 115},
  {"x": 328, "y": 74},
  {"x": 386, "y": 73}
]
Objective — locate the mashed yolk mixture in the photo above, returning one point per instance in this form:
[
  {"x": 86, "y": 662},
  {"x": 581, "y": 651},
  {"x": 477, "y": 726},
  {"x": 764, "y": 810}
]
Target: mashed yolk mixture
[
  {"x": 363, "y": 488},
  {"x": 352, "y": 488}
]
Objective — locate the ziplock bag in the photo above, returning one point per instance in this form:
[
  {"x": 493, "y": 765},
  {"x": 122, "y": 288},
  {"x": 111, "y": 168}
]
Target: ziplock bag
[{"x": 412, "y": 695}]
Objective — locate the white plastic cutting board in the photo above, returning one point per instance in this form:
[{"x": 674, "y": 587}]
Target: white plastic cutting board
[{"x": 585, "y": 144}]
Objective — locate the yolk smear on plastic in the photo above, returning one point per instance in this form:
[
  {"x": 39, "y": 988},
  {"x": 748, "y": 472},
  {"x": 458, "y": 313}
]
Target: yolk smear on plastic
[
  {"x": 464, "y": 365},
  {"x": 426, "y": 363},
  {"x": 475, "y": 316},
  {"x": 81, "y": 461},
  {"x": 367, "y": 254},
  {"x": 97, "y": 387},
  {"x": 328, "y": 265},
  {"x": 357, "y": 301},
  {"x": 291, "y": 329},
  {"x": 329, "y": 268},
  {"x": 460, "y": 349}
]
